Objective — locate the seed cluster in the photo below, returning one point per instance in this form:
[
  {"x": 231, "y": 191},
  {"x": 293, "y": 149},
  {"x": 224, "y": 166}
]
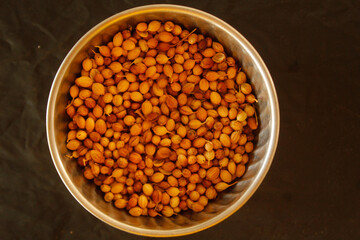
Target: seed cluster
[{"x": 161, "y": 119}]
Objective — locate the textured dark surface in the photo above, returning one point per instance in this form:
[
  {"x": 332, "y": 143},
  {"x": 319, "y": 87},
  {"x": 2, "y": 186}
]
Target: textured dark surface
[{"x": 312, "y": 51}]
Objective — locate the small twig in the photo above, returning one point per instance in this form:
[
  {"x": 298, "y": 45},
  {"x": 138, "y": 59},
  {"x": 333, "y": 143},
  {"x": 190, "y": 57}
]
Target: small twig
[
  {"x": 140, "y": 114},
  {"x": 256, "y": 117},
  {"x": 69, "y": 104},
  {"x": 184, "y": 37}
]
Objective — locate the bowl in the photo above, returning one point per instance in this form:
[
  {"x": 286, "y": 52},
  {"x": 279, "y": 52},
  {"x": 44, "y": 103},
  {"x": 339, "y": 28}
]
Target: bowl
[{"x": 227, "y": 203}]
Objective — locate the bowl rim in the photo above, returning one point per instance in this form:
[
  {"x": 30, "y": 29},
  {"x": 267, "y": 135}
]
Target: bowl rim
[{"x": 260, "y": 175}]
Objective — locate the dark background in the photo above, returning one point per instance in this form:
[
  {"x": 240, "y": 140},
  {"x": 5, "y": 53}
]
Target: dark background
[{"x": 312, "y": 51}]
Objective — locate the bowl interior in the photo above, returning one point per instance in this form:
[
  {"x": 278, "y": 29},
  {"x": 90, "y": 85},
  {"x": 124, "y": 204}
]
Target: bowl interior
[{"x": 227, "y": 203}]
